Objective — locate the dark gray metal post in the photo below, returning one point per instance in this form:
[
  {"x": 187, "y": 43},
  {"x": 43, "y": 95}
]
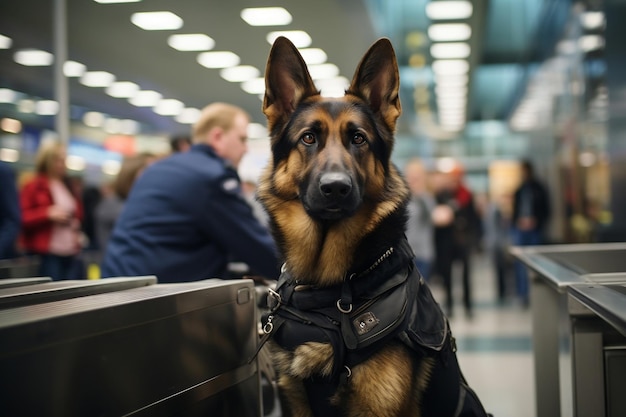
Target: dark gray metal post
[{"x": 61, "y": 94}]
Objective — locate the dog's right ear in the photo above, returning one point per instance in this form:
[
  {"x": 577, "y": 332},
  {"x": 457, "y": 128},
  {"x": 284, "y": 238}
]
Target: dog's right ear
[{"x": 287, "y": 82}]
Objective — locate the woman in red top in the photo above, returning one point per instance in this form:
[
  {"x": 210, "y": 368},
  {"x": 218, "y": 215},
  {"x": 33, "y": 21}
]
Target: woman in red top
[{"x": 51, "y": 216}]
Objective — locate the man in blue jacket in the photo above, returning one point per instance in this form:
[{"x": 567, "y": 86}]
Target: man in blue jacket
[{"x": 186, "y": 218}]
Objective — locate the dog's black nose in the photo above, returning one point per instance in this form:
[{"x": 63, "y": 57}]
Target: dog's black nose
[{"x": 335, "y": 185}]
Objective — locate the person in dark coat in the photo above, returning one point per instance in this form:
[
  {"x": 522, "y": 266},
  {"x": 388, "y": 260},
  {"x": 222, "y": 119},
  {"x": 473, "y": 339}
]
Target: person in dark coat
[
  {"x": 186, "y": 217},
  {"x": 10, "y": 216},
  {"x": 531, "y": 212}
]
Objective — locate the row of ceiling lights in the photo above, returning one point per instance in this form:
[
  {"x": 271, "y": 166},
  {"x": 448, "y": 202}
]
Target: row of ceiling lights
[
  {"x": 450, "y": 50},
  {"x": 326, "y": 75}
]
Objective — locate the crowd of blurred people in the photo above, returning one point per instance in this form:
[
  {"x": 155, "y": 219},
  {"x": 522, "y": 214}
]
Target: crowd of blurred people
[{"x": 188, "y": 216}]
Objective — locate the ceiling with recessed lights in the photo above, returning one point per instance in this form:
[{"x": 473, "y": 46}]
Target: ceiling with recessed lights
[{"x": 484, "y": 50}]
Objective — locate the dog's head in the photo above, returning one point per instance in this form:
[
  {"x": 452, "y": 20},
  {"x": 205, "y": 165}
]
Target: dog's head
[
  {"x": 339, "y": 144},
  {"x": 330, "y": 179}
]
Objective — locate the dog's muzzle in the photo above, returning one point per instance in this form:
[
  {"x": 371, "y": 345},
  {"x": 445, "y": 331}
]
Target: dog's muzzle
[{"x": 333, "y": 196}]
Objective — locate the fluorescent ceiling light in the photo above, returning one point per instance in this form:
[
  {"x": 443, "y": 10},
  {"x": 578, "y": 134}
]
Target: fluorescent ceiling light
[
  {"x": 7, "y": 96},
  {"x": 239, "y": 73},
  {"x": 97, "y": 79},
  {"x": 33, "y": 57},
  {"x": 47, "y": 108},
  {"x": 313, "y": 56},
  {"x": 266, "y": 16},
  {"x": 299, "y": 38},
  {"x": 111, "y": 167},
  {"x": 116, "y": 1},
  {"x": 218, "y": 59},
  {"x": 129, "y": 127},
  {"x": 449, "y": 92},
  {"x": 112, "y": 125},
  {"x": 592, "y": 20},
  {"x": 456, "y": 80},
  {"x": 73, "y": 69},
  {"x": 191, "y": 42},
  {"x": 188, "y": 116},
  {"x": 75, "y": 163},
  {"x": 9, "y": 155},
  {"x": 448, "y": 10},
  {"x": 5, "y": 42},
  {"x": 157, "y": 20},
  {"x": 450, "y": 67},
  {"x": 451, "y": 50},
  {"x": 333, "y": 87},
  {"x": 26, "y": 106},
  {"x": 589, "y": 43},
  {"x": 145, "y": 98},
  {"x": 10, "y": 125},
  {"x": 321, "y": 71},
  {"x": 122, "y": 89},
  {"x": 93, "y": 119},
  {"x": 169, "y": 107},
  {"x": 254, "y": 86},
  {"x": 445, "y": 32}
]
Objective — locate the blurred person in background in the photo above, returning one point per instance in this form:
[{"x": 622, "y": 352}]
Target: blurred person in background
[
  {"x": 51, "y": 216},
  {"x": 497, "y": 227},
  {"x": 531, "y": 212},
  {"x": 186, "y": 216},
  {"x": 420, "y": 229},
  {"x": 110, "y": 207},
  {"x": 10, "y": 217},
  {"x": 456, "y": 228},
  {"x": 180, "y": 143}
]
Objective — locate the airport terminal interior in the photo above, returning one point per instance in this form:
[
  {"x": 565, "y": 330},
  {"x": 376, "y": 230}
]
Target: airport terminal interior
[{"x": 485, "y": 86}]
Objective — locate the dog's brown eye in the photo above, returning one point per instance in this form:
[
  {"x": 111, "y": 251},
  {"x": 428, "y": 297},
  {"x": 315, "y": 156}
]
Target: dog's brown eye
[
  {"x": 308, "y": 138},
  {"x": 358, "y": 139}
]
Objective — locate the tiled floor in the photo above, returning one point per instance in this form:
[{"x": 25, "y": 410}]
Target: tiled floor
[{"x": 494, "y": 346}]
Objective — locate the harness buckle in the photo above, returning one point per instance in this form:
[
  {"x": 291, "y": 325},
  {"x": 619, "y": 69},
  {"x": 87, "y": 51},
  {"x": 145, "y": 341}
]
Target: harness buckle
[
  {"x": 269, "y": 326},
  {"x": 342, "y": 309}
]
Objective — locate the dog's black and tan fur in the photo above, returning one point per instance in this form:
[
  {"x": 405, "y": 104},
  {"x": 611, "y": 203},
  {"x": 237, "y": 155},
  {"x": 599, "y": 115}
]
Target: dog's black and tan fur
[{"x": 336, "y": 202}]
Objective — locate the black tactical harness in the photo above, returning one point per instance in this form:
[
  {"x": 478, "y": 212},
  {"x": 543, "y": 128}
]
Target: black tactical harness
[{"x": 388, "y": 300}]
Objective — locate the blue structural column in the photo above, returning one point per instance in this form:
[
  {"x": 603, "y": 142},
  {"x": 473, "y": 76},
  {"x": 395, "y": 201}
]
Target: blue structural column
[{"x": 615, "y": 52}]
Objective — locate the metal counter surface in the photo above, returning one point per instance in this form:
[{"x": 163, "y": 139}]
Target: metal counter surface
[{"x": 606, "y": 301}]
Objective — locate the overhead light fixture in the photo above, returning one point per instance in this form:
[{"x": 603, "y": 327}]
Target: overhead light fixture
[
  {"x": 93, "y": 119},
  {"x": 333, "y": 87},
  {"x": 11, "y": 125},
  {"x": 145, "y": 98},
  {"x": 447, "y": 32},
  {"x": 451, "y": 50},
  {"x": 588, "y": 43},
  {"x": 7, "y": 95},
  {"x": 129, "y": 127},
  {"x": 112, "y": 125},
  {"x": 448, "y": 92},
  {"x": 97, "y": 79},
  {"x": 321, "y": 71},
  {"x": 313, "y": 56},
  {"x": 75, "y": 163},
  {"x": 188, "y": 116},
  {"x": 239, "y": 73},
  {"x": 266, "y": 16},
  {"x": 450, "y": 67},
  {"x": 111, "y": 167},
  {"x": 218, "y": 59},
  {"x": 299, "y": 38},
  {"x": 169, "y": 107},
  {"x": 46, "y": 107},
  {"x": 5, "y": 42},
  {"x": 73, "y": 69},
  {"x": 26, "y": 106},
  {"x": 191, "y": 42},
  {"x": 122, "y": 89},
  {"x": 33, "y": 57},
  {"x": 157, "y": 20},
  {"x": 449, "y": 10},
  {"x": 592, "y": 20},
  {"x": 451, "y": 80},
  {"x": 254, "y": 86},
  {"x": 9, "y": 155}
]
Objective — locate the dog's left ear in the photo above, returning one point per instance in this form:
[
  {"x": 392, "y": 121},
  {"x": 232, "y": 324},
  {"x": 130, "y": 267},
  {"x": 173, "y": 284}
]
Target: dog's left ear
[
  {"x": 377, "y": 81},
  {"x": 287, "y": 82}
]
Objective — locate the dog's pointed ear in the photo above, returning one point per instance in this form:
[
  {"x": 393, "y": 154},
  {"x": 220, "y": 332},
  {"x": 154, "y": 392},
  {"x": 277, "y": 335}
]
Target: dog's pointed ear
[
  {"x": 287, "y": 82},
  {"x": 377, "y": 81}
]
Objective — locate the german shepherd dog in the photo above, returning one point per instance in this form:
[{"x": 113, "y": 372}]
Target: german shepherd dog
[{"x": 354, "y": 329}]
